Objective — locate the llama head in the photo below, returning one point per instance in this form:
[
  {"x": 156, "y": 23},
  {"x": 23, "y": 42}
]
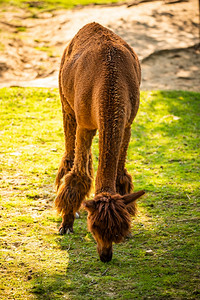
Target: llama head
[{"x": 109, "y": 220}]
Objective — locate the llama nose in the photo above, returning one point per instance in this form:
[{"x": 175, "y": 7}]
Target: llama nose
[{"x": 106, "y": 258}]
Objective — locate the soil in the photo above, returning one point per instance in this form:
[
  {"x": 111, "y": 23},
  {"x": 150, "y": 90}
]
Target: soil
[{"x": 164, "y": 34}]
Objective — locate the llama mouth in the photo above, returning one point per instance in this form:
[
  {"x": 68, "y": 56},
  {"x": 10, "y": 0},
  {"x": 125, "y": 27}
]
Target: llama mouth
[{"x": 106, "y": 258}]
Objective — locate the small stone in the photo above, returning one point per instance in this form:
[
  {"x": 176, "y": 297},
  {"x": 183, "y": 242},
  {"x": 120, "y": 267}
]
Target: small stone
[{"x": 149, "y": 252}]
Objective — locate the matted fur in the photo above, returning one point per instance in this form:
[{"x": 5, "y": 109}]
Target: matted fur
[
  {"x": 72, "y": 192},
  {"x": 65, "y": 167},
  {"x": 124, "y": 183},
  {"x": 110, "y": 219},
  {"x": 132, "y": 208}
]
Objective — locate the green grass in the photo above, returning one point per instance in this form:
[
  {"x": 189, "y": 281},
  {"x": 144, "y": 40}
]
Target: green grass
[
  {"x": 53, "y": 4},
  {"x": 159, "y": 260}
]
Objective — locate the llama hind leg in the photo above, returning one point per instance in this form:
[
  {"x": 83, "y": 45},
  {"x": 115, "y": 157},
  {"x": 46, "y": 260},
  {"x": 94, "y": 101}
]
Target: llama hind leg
[
  {"x": 67, "y": 161},
  {"x": 77, "y": 183},
  {"x": 124, "y": 183}
]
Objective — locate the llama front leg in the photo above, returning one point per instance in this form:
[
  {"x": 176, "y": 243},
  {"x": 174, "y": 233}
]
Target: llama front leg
[
  {"x": 77, "y": 183},
  {"x": 124, "y": 183},
  {"x": 69, "y": 123}
]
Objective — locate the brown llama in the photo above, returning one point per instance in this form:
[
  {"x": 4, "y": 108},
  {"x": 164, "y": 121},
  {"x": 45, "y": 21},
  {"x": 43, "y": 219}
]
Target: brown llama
[{"x": 99, "y": 83}]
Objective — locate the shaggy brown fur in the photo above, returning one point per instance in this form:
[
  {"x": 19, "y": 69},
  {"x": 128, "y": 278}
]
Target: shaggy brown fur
[
  {"x": 64, "y": 168},
  {"x": 70, "y": 195},
  {"x": 99, "y": 83},
  {"x": 124, "y": 183},
  {"x": 109, "y": 218}
]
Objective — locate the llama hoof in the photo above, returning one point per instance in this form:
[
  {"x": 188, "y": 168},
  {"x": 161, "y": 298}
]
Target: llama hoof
[
  {"x": 62, "y": 231},
  {"x": 65, "y": 230},
  {"x": 69, "y": 231}
]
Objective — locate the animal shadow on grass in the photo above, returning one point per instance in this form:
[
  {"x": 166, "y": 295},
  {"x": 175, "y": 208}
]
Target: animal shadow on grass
[{"x": 84, "y": 270}]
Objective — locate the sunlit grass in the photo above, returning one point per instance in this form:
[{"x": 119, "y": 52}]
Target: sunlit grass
[
  {"x": 159, "y": 260},
  {"x": 51, "y": 4}
]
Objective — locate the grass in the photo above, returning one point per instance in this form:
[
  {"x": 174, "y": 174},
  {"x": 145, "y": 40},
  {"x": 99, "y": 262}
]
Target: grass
[
  {"x": 49, "y": 50},
  {"x": 159, "y": 260},
  {"x": 53, "y": 4}
]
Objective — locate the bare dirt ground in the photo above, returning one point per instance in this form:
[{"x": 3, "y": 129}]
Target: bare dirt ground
[{"x": 163, "y": 35}]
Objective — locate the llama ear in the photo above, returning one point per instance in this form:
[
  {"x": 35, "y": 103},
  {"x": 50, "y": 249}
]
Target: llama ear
[
  {"x": 89, "y": 205},
  {"x": 132, "y": 197}
]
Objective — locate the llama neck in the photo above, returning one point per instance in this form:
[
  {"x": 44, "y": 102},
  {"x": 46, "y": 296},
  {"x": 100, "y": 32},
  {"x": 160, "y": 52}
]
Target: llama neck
[
  {"x": 110, "y": 139},
  {"x": 111, "y": 124}
]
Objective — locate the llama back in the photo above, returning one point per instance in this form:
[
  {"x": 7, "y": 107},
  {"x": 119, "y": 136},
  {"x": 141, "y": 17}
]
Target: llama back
[{"x": 99, "y": 69}]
